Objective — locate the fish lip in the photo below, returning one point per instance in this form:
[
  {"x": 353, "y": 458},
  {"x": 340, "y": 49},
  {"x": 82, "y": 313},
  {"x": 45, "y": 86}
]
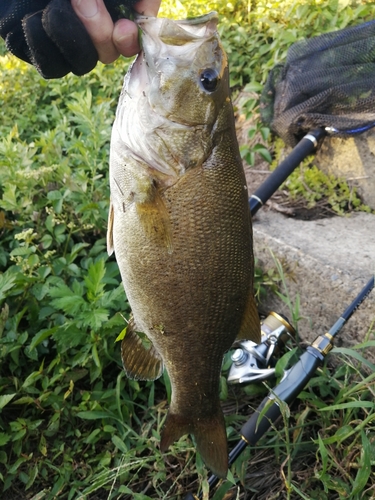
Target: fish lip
[
  {"x": 195, "y": 28},
  {"x": 204, "y": 19}
]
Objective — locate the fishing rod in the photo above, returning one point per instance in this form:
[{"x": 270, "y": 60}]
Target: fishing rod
[
  {"x": 296, "y": 95},
  {"x": 297, "y": 377},
  {"x": 292, "y": 383},
  {"x": 307, "y": 145}
]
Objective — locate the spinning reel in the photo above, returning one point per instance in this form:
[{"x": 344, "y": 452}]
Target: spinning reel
[{"x": 253, "y": 362}]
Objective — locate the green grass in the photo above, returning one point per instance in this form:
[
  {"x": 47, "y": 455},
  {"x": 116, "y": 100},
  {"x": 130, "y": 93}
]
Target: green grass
[
  {"x": 71, "y": 424},
  {"x": 311, "y": 186}
]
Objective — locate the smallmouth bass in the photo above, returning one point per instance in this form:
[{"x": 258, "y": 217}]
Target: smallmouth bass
[{"x": 180, "y": 224}]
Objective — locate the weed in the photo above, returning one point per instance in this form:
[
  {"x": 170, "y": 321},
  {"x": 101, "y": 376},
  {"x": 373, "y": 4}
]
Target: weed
[
  {"x": 309, "y": 183},
  {"x": 72, "y": 426}
]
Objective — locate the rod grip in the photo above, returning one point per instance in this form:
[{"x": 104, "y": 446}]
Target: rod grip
[
  {"x": 253, "y": 429},
  {"x": 287, "y": 390}
]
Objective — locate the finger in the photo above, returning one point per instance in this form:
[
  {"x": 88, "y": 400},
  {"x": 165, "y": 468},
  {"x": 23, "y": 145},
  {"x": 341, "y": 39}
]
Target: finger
[
  {"x": 125, "y": 38},
  {"x": 148, "y": 7},
  {"x": 99, "y": 26}
]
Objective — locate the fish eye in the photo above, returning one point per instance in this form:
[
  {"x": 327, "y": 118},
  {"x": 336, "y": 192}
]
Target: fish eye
[{"x": 209, "y": 79}]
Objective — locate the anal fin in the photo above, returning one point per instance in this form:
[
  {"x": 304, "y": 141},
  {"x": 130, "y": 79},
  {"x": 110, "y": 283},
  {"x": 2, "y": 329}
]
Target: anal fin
[
  {"x": 250, "y": 326},
  {"x": 140, "y": 359}
]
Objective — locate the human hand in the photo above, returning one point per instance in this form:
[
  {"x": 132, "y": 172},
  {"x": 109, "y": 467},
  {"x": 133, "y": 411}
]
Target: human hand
[
  {"x": 112, "y": 39},
  {"x": 59, "y": 36}
]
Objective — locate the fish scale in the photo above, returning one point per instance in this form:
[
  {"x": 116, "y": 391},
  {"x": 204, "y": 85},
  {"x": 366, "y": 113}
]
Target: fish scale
[{"x": 181, "y": 231}]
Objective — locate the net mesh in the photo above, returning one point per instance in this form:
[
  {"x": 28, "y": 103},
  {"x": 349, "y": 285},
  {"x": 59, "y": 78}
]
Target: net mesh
[{"x": 327, "y": 81}]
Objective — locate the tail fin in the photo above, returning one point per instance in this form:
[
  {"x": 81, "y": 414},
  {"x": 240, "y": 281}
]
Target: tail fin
[{"x": 210, "y": 436}]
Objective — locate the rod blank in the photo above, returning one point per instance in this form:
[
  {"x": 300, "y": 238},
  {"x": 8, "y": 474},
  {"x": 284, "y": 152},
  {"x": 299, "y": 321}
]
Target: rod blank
[{"x": 305, "y": 147}]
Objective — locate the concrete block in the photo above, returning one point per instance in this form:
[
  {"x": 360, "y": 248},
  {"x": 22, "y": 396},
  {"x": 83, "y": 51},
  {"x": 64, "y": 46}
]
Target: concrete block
[
  {"x": 353, "y": 159},
  {"x": 326, "y": 262}
]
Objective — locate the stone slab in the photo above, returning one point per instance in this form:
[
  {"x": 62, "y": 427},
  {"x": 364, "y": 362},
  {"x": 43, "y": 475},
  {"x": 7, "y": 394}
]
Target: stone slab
[
  {"x": 353, "y": 159},
  {"x": 326, "y": 262}
]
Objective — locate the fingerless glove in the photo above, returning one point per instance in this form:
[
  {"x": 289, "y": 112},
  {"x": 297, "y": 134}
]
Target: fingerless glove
[{"x": 49, "y": 35}]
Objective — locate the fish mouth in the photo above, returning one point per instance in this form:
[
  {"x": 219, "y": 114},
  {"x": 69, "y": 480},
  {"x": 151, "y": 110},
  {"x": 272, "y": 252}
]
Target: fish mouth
[
  {"x": 177, "y": 33},
  {"x": 191, "y": 28}
]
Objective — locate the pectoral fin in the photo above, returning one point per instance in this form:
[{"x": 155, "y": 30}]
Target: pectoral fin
[
  {"x": 140, "y": 359},
  {"x": 154, "y": 218},
  {"x": 250, "y": 326},
  {"x": 110, "y": 230}
]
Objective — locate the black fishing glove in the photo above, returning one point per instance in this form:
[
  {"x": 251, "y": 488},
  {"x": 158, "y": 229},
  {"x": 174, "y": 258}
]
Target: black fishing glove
[{"x": 49, "y": 35}]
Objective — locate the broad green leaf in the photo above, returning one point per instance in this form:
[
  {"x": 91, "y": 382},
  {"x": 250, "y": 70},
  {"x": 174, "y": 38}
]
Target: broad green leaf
[
  {"x": 109, "y": 428},
  {"x": 42, "y": 335},
  {"x": 119, "y": 443},
  {"x": 69, "y": 336},
  {"x": 323, "y": 454},
  {"x": 7, "y": 282},
  {"x": 222, "y": 490},
  {"x": 94, "y": 318},
  {"x": 283, "y": 363},
  {"x": 95, "y": 356},
  {"x": 3, "y": 457},
  {"x": 33, "y": 475},
  {"x": 4, "y": 438},
  {"x": 230, "y": 477},
  {"x": 94, "y": 280},
  {"x": 71, "y": 304},
  {"x": 76, "y": 249},
  {"x": 17, "y": 463},
  {"x": 24, "y": 400},
  {"x": 31, "y": 379},
  {"x": 4, "y": 400},
  {"x": 364, "y": 471},
  {"x": 121, "y": 335},
  {"x": 43, "y": 445},
  {"x": 94, "y": 436}
]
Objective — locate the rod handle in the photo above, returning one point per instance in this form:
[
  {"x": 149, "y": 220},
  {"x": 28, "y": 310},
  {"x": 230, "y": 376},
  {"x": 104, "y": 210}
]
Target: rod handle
[
  {"x": 253, "y": 429},
  {"x": 287, "y": 390}
]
